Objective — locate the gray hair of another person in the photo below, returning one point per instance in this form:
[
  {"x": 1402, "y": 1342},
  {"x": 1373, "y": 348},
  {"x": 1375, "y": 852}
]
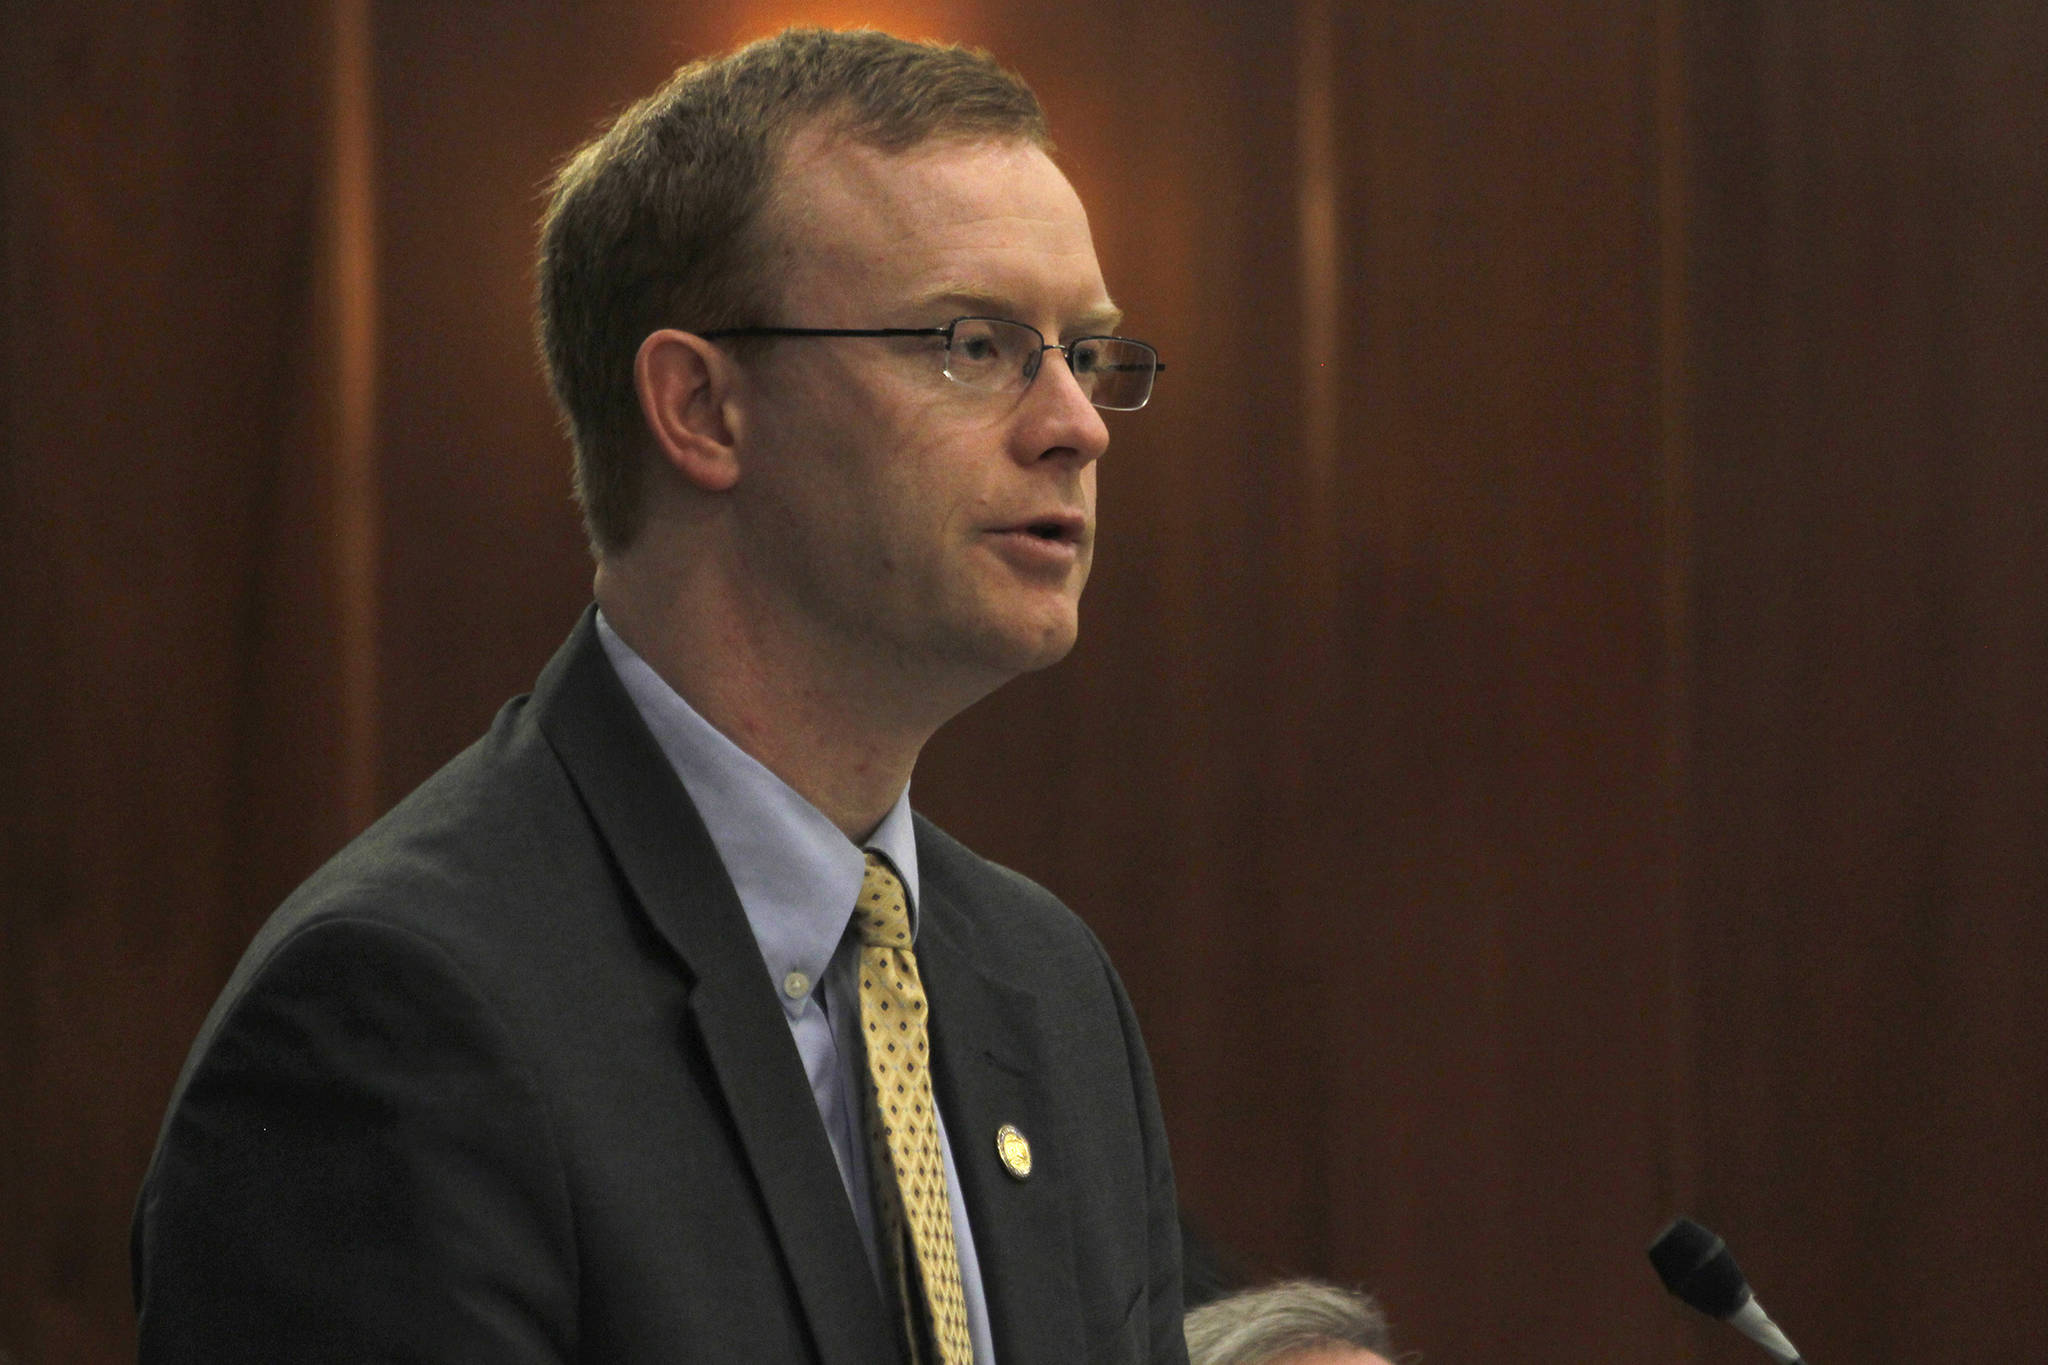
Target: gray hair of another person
[{"x": 1256, "y": 1326}]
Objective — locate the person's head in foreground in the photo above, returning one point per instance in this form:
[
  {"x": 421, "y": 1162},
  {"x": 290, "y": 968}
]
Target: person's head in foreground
[{"x": 1299, "y": 1322}]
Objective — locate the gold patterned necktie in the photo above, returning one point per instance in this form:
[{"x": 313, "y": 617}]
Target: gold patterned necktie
[{"x": 903, "y": 1131}]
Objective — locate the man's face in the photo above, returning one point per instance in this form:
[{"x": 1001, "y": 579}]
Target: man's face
[{"x": 893, "y": 515}]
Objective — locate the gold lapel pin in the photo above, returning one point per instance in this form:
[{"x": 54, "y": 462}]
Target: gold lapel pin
[{"x": 1015, "y": 1151}]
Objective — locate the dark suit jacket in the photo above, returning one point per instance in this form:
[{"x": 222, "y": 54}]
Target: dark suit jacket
[{"x": 507, "y": 1081}]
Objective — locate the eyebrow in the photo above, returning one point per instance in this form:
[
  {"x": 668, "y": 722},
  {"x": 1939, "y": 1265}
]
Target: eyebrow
[{"x": 979, "y": 303}]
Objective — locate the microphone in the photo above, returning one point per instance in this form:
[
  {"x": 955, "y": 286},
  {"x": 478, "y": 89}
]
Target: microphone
[{"x": 1695, "y": 1265}]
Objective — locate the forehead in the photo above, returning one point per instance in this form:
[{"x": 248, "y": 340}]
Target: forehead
[{"x": 973, "y": 222}]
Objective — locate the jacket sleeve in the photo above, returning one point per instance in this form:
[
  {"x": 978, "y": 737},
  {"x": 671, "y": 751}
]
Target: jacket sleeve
[{"x": 356, "y": 1167}]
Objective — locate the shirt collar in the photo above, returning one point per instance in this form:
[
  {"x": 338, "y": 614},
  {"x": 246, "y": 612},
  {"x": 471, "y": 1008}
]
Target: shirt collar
[{"x": 796, "y": 874}]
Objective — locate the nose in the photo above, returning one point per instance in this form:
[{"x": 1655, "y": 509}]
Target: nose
[{"x": 1060, "y": 422}]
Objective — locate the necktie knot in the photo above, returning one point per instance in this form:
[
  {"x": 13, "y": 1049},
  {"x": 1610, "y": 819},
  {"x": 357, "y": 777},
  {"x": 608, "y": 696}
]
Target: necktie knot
[{"x": 883, "y": 914}]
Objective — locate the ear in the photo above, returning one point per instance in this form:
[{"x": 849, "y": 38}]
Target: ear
[{"x": 685, "y": 387}]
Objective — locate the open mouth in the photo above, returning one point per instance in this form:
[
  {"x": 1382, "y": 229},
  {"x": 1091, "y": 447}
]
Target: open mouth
[{"x": 1056, "y": 529}]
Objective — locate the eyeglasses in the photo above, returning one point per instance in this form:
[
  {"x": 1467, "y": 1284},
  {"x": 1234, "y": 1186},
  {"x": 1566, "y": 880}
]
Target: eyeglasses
[{"x": 1004, "y": 357}]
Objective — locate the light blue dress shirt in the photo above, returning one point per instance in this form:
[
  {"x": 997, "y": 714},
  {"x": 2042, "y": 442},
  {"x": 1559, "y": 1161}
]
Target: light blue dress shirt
[{"x": 798, "y": 877}]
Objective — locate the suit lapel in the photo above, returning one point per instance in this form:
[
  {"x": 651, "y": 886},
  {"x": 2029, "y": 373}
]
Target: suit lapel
[
  {"x": 986, "y": 1073},
  {"x": 673, "y": 869}
]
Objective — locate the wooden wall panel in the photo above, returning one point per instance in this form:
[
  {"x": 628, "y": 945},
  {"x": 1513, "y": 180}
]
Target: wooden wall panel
[
  {"x": 171, "y": 683},
  {"x": 483, "y": 566},
  {"x": 1868, "y": 794},
  {"x": 1495, "y": 810}
]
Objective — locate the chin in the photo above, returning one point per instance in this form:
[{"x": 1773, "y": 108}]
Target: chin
[
  {"x": 1049, "y": 646},
  {"x": 1005, "y": 649}
]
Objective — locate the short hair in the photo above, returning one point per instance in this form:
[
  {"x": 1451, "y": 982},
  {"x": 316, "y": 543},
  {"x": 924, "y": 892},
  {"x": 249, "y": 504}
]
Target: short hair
[
  {"x": 1255, "y": 1326},
  {"x": 657, "y": 221}
]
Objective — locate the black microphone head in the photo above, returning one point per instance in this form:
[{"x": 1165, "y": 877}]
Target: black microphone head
[{"x": 1695, "y": 1265}]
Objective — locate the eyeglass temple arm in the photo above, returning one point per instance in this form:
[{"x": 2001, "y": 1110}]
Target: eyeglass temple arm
[{"x": 718, "y": 332}]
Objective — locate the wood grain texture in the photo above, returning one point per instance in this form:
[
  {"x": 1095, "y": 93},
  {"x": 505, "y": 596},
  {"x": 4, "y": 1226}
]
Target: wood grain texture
[
  {"x": 1497, "y": 1157},
  {"x": 1872, "y": 407},
  {"x": 171, "y": 681}
]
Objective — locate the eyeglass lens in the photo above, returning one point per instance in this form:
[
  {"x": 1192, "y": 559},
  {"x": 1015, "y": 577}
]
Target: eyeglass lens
[{"x": 991, "y": 353}]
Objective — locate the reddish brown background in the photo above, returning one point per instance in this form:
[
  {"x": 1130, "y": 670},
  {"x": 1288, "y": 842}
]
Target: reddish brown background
[{"x": 1558, "y": 737}]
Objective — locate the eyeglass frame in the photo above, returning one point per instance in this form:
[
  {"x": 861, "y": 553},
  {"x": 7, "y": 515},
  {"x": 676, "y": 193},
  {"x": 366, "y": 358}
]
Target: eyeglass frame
[{"x": 1030, "y": 374}]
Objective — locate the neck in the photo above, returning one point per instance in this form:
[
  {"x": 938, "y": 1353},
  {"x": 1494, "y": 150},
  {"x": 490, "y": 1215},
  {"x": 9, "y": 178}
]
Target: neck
[{"x": 842, "y": 739}]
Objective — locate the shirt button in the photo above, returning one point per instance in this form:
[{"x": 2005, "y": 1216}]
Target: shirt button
[{"x": 796, "y": 985}]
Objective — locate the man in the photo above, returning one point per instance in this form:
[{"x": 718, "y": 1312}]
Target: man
[
  {"x": 582, "y": 1053},
  {"x": 1299, "y": 1322}
]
